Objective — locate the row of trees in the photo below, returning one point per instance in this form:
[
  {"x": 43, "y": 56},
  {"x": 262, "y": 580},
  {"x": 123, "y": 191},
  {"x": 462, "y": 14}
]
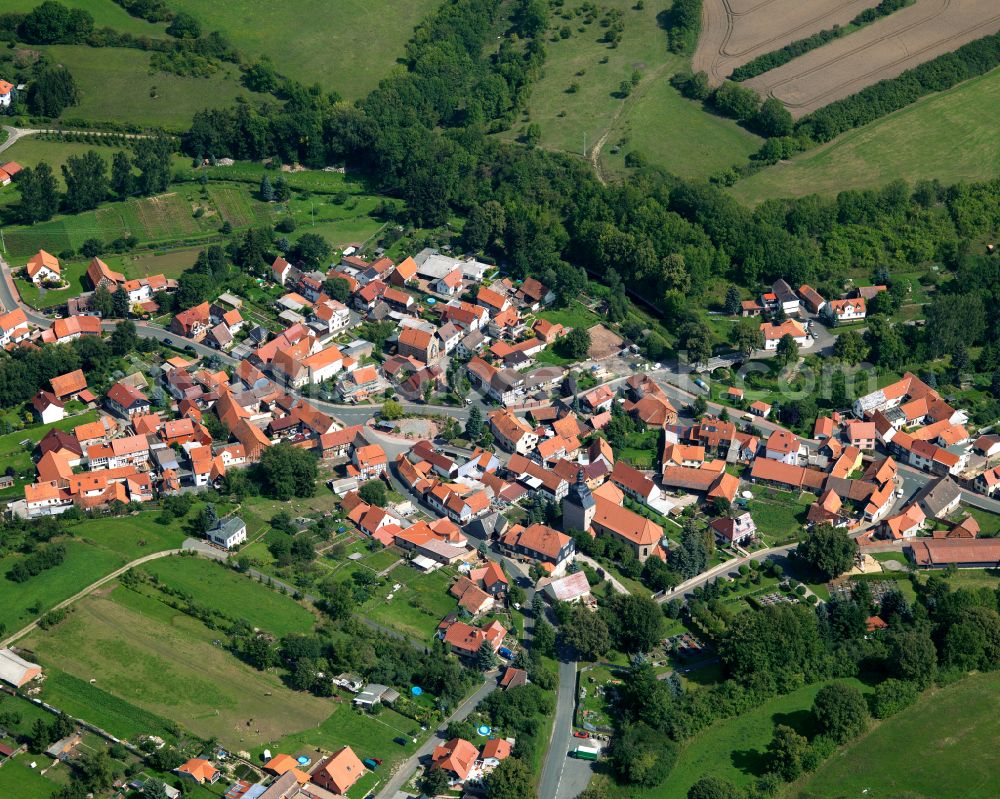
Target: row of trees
[
  {"x": 886, "y": 96},
  {"x": 783, "y": 55},
  {"x": 88, "y": 182},
  {"x": 37, "y": 562},
  {"x": 51, "y": 23},
  {"x": 683, "y": 25}
]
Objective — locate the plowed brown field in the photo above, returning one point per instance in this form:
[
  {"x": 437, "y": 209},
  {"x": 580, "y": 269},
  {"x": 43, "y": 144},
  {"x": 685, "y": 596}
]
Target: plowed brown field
[
  {"x": 884, "y": 49},
  {"x": 734, "y": 31}
]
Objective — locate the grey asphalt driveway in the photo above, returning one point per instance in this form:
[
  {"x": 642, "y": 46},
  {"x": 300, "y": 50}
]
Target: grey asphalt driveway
[{"x": 402, "y": 774}]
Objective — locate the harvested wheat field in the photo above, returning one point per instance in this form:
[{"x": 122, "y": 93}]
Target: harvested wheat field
[
  {"x": 734, "y": 32},
  {"x": 881, "y": 50}
]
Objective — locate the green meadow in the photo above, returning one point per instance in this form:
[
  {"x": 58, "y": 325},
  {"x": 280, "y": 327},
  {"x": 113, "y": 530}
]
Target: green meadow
[
  {"x": 950, "y": 136},
  {"x": 347, "y": 46}
]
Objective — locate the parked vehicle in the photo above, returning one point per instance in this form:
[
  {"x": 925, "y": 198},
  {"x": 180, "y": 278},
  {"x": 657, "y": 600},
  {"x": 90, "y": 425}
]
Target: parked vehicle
[
  {"x": 586, "y": 753},
  {"x": 580, "y": 734},
  {"x": 399, "y": 739},
  {"x": 370, "y": 764}
]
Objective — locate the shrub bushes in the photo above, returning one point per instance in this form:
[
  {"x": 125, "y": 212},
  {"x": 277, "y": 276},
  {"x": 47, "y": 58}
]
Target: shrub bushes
[
  {"x": 886, "y": 96},
  {"x": 684, "y": 25},
  {"x": 35, "y": 564},
  {"x": 892, "y": 696}
]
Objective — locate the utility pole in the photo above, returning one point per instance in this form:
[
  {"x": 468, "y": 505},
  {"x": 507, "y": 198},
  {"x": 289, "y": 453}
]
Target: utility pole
[
  {"x": 2, "y": 242},
  {"x": 585, "y": 144}
]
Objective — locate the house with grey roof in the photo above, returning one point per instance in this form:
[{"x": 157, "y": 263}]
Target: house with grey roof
[
  {"x": 229, "y": 532},
  {"x": 375, "y": 694},
  {"x": 940, "y": 498}
]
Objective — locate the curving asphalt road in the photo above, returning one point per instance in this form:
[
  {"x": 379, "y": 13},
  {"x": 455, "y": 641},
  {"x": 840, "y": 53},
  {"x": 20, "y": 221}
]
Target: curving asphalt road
[
  {"x": 13, "y": 134},
  {"x": 349, "y": 414}
]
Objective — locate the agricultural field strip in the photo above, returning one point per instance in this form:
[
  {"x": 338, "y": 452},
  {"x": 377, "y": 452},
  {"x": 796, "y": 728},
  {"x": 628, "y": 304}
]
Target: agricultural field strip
[
  {"x": 948, "y": 136},
  {"x": 167, "y": 664},
  {"x": 884, "y": 49},
  {"x": 737, "y": 31}
]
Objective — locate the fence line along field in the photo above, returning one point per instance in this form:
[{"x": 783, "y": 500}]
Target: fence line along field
[
  {"x": 884, "y": 49},
  {"x": 737, "y": 31},
  {"x": 949, "y": 136}
]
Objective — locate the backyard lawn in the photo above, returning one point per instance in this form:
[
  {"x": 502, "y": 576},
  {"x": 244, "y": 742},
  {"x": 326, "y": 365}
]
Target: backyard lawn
[
  {"x": 368, "y": 735},
  {"x": 12, "y": 454},
  {"x": 73, "y": 272},
  {"x": 18, "y": 779},
  {"x": 418, "y": 607},
  {"x": 779, "y": 515},
  {"x": 169, "y": 263},
  {"x": 575, "y": 315},
  {"x": 592, "y": 706},
  {"x": 989, "y": 523}
]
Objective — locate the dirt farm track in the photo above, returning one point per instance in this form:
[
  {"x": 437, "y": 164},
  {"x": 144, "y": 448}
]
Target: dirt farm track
[{"x": 736, "y": 31}]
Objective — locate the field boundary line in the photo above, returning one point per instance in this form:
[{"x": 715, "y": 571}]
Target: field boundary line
[{"x": 87, "y": 591}]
